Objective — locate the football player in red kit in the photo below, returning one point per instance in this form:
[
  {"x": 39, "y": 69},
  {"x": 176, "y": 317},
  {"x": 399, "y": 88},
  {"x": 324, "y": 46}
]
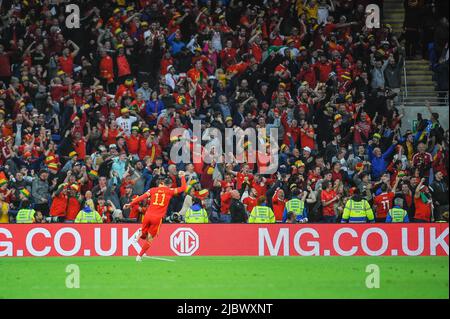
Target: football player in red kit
[{"x": 159, "y": 198}]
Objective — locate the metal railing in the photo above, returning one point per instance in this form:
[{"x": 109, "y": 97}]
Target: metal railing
[{"x": 405, "y": 92}]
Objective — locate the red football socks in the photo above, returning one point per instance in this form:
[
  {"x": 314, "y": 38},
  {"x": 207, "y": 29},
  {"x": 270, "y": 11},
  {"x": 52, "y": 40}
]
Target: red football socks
[{"x": 145, "y": 247}]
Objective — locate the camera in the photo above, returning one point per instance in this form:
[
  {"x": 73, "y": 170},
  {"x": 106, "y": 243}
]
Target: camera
[
  {"x": 390, "y": 94},
  {"x": 175, "y": 218}
]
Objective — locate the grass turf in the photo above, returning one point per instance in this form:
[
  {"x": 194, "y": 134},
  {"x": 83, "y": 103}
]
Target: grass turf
[{"x": 225, "y": 277}]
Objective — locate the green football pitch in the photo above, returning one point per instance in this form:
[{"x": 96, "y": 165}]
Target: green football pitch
[{"x": 224, "y": 277}]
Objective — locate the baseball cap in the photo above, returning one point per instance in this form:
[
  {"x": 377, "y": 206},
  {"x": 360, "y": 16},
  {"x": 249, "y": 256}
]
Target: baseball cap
[{"x": 307, "y": 148}]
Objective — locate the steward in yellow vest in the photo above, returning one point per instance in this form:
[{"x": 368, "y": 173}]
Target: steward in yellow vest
[
  {"x": 397, "y": 214},
  {"x": 25, "y": 216},
  {"x": 297, "y": 206},
  {"x": 196, "y": 214},
  {"x": 261, "y": 214},
  {"x": 357, "y": 210},
  {"x": 88, "y": 216}
]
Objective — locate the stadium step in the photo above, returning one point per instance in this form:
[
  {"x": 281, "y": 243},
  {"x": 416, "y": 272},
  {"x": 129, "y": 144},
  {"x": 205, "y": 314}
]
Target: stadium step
[
  {"x": 418, "y": 62},
  {"x": 419, "y": 77},
  {"x": 393, "y": 14},
  {"x": 414, "y": 72},
  {"x": 420, "y": 85}
]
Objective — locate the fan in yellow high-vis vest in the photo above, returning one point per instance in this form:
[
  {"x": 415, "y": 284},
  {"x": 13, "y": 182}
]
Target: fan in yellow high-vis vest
[
  {"x": 196, "y": 214},
  {"x": 357, "y": 209},
  {"x": 25, "y": 216},
  {"x": 397, "y": 214},
  {"x": 261, "y": 214},
  {"x": 88, "y": 216},
  {"x": 296, "y": 205}
]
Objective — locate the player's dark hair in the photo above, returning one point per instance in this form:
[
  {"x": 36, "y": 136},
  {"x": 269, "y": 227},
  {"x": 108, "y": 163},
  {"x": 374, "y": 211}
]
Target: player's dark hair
[{"x": 168, "y": 181}]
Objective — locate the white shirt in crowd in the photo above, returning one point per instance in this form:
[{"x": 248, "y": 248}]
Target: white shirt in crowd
[
  {"x": 171, "y": 80},
  {"x": 125, "y": 123}
]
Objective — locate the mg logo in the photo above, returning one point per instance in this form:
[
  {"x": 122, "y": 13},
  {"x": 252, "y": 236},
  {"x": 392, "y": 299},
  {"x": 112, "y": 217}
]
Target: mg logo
[{"x": 184, "y": 241}]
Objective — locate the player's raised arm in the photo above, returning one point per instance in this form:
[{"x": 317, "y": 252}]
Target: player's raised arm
[
  {"x": 183, "y": 186},
  {"x": 137, "y": 199}
]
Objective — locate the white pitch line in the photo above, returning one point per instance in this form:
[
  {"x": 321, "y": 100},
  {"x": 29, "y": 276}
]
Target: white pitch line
[{"x": 159, "y": 258}]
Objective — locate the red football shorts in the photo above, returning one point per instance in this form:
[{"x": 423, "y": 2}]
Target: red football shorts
[{"x": 150, "y": 225}]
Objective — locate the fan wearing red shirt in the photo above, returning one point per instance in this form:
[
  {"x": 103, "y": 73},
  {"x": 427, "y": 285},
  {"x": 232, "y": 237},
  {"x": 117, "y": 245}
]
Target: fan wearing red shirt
[
  {"x": 282, "y": 70},
  {"x": 291, "y": 131},
  {"x": 307, "y": 136},
  {"x": 197, "y": 74},
  {"x": 243, "y": 176},
  {"x": 278, "y": 204},
  {"x": 251, "y": 201},
  {"x": 328, "y": 197},
  {"x": 133, "y": 141},
  {"x": 123, "y": 66},
  {"x": 255, "y": 47},
  {"x": 383, "y": 202},
  {"x": 225, "y": 203},
  {"x": 59, "y": 203},
  {"x": 159, "y": 202},
  {"x": 307, "y": 74},
  {"x": 228, "y": 55},
  {"x": 422, "y": 160},
  {"x": 66, "y": 60},
  {"x": 111, "y": 133},
  {"x": 323, "y": 68},
  {"x": 422, "y": 203},
  {"x": 106, "y": 67},
  {"x": 73, "y": 205},
  {"x": 104, "y": 210},
  {"x": 330, "y": 26},
  {"x": 260, "y": 184},
  {"x": 79, "y": 145}
]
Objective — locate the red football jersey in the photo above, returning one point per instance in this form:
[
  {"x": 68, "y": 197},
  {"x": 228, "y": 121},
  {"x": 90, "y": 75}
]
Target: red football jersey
[
  {"x": 159, "y": 198},
  {"x": 383, "y": 203},
  {"x": 250, "y": 202}
]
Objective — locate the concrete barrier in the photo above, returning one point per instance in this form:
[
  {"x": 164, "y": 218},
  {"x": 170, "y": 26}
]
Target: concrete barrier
[{"x": 410, "y": 117}]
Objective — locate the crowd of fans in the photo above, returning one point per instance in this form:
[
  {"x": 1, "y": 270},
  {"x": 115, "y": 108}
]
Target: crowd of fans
[{"x": 86, "y": 114}]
